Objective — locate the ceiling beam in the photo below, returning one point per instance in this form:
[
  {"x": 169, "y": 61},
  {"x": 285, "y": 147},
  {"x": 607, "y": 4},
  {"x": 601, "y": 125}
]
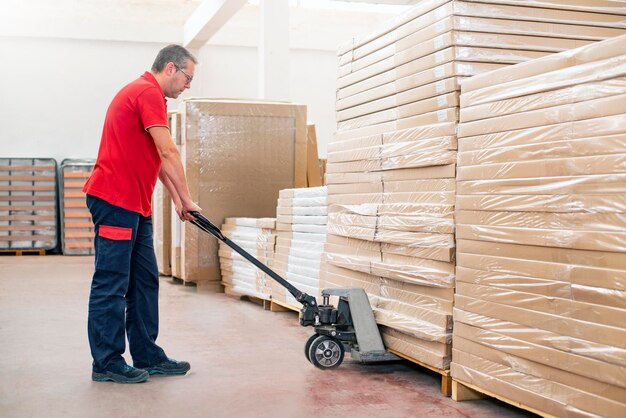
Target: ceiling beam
[{"x": 207, "y": 19}]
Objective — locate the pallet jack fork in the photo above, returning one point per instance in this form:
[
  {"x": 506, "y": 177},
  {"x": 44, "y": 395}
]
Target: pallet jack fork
[{"x": 350, "y": 326}]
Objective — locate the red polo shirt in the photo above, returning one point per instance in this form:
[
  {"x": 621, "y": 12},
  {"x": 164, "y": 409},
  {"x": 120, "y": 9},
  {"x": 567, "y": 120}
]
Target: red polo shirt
[{"x": 128, "y": 162}]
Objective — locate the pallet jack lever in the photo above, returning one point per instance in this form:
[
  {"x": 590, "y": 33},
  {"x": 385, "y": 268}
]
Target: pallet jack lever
[
  {"x": 349, "y": 326},
  {"x": 206, "y": 225}
]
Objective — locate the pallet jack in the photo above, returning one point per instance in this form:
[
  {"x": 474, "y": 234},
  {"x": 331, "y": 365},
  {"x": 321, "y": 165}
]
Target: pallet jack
[{"x": 350, "y": 326}]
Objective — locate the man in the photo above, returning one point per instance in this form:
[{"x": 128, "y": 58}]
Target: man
[{"x": 136, "y": 148}]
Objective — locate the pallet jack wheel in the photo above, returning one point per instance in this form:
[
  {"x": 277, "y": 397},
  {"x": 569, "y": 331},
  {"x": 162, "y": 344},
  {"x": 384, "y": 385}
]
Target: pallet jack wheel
[
  {"x": 326, "y": 352},
  {"x": 307, "y": 345}
]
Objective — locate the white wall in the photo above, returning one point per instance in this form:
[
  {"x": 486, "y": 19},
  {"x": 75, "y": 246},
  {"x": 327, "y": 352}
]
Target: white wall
[{"x": 56, "y": 91}]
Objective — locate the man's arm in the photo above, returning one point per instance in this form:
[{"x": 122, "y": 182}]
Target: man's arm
[{"x": 173, "y": 172}]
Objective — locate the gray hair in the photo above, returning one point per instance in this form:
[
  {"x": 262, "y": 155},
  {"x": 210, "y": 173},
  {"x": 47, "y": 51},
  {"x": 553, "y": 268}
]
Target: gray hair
[{"x": 172, "y": 53}]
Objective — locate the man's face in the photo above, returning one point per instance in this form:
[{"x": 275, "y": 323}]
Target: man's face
[{"x": 180, "y": 78}]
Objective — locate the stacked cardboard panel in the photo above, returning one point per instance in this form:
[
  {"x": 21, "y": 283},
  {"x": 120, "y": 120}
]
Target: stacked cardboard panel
[
  {"x": 391, "y": 166},
  {"x": 408, "y": 73},
  {"x": 28, "y": 204},
  {"x": 162, "y": 228},
  {"x": 540, "y": 309},
  {"x": 76, "y": 224},
  {"x": 165, "y": 222},
  {"x": 301, "y": 218},
  {"x": 238, "y": 155},
  {"x": 257, "y": 236}
]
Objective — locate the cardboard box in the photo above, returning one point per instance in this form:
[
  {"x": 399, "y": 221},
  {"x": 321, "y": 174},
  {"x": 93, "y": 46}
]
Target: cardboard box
[
  {"x": 268, "y": 138},
  {"x": 161, "y": 216}
]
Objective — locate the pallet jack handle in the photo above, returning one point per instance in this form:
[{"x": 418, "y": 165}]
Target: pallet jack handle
[{"x": 204, "y": 224}]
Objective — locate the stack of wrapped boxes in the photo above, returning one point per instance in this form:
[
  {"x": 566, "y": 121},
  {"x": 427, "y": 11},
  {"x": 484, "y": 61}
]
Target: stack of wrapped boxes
[
  {"x": 391, "y": 166},
  {"x": 238, "y": 155},
  {"x": 28, "y": 204},
  {"x": 540, "y": 310},
  {"x": 257, "y": 236},
  {"x": 301, "y": 218},
  {"x": 76, "y": 225}
]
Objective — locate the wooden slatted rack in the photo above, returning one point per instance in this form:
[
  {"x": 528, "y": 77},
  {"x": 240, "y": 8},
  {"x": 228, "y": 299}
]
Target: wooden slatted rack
[
  {"x": 28, "y": 204},
  {"x": 77, "y": 227}
]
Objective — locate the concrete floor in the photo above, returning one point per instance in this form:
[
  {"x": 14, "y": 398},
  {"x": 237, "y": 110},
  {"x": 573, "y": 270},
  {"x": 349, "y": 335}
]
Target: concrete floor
[{"x": 246, "y": 362}]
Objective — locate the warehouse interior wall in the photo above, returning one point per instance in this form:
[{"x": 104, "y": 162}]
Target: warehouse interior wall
[{"x": 56, "y": 91}]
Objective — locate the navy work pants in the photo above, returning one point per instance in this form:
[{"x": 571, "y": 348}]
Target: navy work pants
[{"x": 124, "y": 299}]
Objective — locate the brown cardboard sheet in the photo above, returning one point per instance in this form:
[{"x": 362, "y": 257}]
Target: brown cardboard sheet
[
  {"x": 440, "y": 116},
  {"x": 559, "y": 221},
  {"x": 538, "y": 402},
  {"x": 418, "y": 185},
  {"x": 600, "y": 164},
  {"x": 538, "y": 345},
  {"x": 433, "y": 172},
  {"x": 543, "y": 395},
  {"x": 613, "y": 261},
  {"x": 575, "y": 93},
  {"x": 405, "y": 269},
  {"x": 417, "y": 94},
  {"x": 431, "y": 253},
  {"x": 588, "y": 312},
  {"x": 161, "y": 218},
  {"x": 544, "y": 90},
  {"x": 580, "y": 185},
  {"x": 599, "y": 388},
  {"x": 568, "y": 148},
  {"x": 411, "y": 326},
  {"x": 417, "y": 133},
  {"x": 421, "y": 159},
  {"x": 413, "y": 348},
  {"x": 563, "y": 238},
  {"x": 417, "y": 222},
  {"x": 402, "y": 198},
  {"x": 578, "y": 203},
  {"x": 429, "y": 80},
  {"x": 594, "y": 52},
  {"x": 552, "y": 287},
  {"x": 227, "y": 143},
  {"x": 594, "y": 284},
  {"x": 601, "y": 334},
  {"x": 420, "y": 107},
  {"x": 597, "y": 108},
  {"x": 601, "y": 126},
  {"x": 416, "y": 295},
  {"x": 394, "y": 150},
  {"x": 430, "y": 346}
]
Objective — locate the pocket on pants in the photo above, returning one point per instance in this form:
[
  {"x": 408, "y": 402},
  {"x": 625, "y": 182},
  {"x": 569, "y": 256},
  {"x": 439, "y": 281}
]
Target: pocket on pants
[
  {"x": 116, "y": 233},
  {"x": 113, "y": 249}
]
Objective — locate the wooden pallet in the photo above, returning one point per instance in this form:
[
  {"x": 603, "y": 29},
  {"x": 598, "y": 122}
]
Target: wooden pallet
[
  {"x": 446, "y": 379},
  {"x": 182, "y": 281},
  {"x": 265, "y": 303},
  {"x": 277, "y": 306},
  {"x": 23, "y": 252},
  {"x": 462, "y": 391}
]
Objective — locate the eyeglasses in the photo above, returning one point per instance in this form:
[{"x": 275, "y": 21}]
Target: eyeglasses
[{"x": 189, "y": 78}]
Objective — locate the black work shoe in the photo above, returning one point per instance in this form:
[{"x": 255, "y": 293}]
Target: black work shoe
[
  {"x": 169, "y": 367},
  {"x": 127, "y": 374}
]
